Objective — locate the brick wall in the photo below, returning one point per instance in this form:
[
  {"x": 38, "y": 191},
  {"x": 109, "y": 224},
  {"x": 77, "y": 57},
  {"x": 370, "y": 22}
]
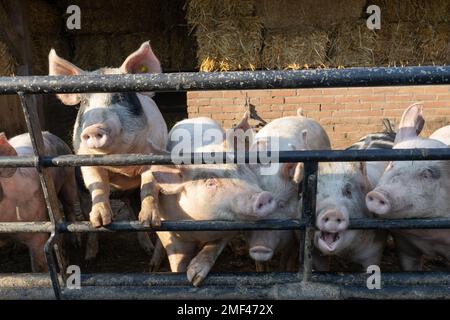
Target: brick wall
[{"x": 346, "y": 113}]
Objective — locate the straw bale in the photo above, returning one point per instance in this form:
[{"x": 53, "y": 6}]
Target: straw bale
[
  {"x": 433, "y": 11},
  {"x": 295, "y": 50},
  {"x": 7, "y": 61}
]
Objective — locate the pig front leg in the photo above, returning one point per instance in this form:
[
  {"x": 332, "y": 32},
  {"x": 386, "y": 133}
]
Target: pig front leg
[
  {"x": 179, "y": 252},
  {"x": 410, "y": 257},
  {"x": 202, "y": 263},
  {"x": 149, "y": 214},
  {"x": 96, "y": 180},
  {"x": 35, "y": 246}
]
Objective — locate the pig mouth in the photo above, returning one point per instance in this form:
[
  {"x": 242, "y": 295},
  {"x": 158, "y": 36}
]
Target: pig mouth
[{"x": 329, "y": 239}]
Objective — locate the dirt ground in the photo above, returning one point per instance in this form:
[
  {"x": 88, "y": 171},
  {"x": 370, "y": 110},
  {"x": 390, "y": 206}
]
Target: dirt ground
[{"x": 121, "y": 252}]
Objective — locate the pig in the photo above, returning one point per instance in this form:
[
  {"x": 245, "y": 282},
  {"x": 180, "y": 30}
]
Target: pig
[
  {"x": 205, "y": 192},
  {"x": 414, "y": 189},
  {"x": 362, "y": 247},
  {"x": 290, "y": 133},
  {"x": 442, "y": 134},
  {"x": 116, "y": 123},
  {"x": 341, "y": 192},
  {"x": 21, "y": 196}
]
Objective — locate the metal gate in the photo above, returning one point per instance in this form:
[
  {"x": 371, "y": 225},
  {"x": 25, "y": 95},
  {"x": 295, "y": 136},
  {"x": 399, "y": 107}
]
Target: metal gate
[{"x": 304, "y": 284}]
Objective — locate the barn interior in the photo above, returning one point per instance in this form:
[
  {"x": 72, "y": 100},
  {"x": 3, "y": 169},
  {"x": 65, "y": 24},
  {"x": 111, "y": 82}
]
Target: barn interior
[{"x": 206, "y": 36}]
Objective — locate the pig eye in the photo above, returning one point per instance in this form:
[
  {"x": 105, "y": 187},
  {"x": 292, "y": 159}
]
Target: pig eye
[
  {"x": 210, "y": 182},
  {"x": 347, "y": 191},
  {"x": 430, "y": 173}
]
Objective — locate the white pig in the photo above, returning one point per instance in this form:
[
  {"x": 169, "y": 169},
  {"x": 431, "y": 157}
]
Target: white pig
[
  {"x": 414, "y": 189},
  {"x": 284, "y": 134},
  {"x": 116, "y": 123},
  {"x": 205, "y": 192}
]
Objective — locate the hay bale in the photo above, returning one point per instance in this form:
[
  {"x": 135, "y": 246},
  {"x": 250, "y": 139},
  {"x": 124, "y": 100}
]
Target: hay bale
[
  {"x": 43, "y": 17},
  {"x": 229, "y": 36},
  {"x": 413, "y": 43},
  {"x": 110, "y": 50},
  {"x": 434, "y": 11},
  {"x": 289, "y": 14},
  {"x": 40, "y": 46},
  {"x": 125, "y": 16},
  {"x": 353, "y": 45},
  {"x": 7, "y": 61},
  {"x": 434, "y": 44},
  {"x": 295, "y": 50}
]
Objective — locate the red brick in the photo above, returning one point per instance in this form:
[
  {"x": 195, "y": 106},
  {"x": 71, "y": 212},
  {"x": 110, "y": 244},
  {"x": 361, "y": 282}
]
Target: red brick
[
  {"x": 209, "y": 109},
  {"x": 361, "y": 91},
  {"x": 210, "y": 94},
  {"x": 437, "y": 89},
  {"x": 443, "y": 97},
  {"x": 259, "y": 93},
  {"x": 234, "y": 94},
  {"x": 225, "y": 116},
  {"x": 263, "y": 108},
  {"x": 270, "y": 114},
  {"x": 399, "y": 97},
  {"x": 201, "y": 101},
  {"x": 284, "y": 93},
  {"x": 271, "y": 100},
  {"x": 373, "y": 98},
  {"x": 297, "y": 99},
  {"x": 423, "y": 97},
  {"x": 309, "y": 92},
  {"x": 322, "y": 99},
  {"x": 221, "y": 101},
  {"x": 347, "y": 98},
  {"x": 335, "y": 91}
]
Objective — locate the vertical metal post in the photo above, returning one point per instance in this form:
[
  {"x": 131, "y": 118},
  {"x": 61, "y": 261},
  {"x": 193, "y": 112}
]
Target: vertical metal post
[
  {"x": 309, "y": 189},
  {"x": 48, "y": 188}
]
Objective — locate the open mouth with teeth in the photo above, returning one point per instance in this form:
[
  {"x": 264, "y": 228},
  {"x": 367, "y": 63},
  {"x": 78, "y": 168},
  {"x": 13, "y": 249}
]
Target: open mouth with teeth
[{"x": 329, "y": 240}]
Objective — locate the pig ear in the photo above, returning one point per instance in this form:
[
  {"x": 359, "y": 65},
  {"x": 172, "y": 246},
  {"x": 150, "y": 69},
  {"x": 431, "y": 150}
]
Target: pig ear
[
  {"x": 292, "y": 171},
  {"x": 411, "y": 123},
  {"x": 143, "y": 60},
  {"x": 366, "y": 185},
  {"x": 300, "y": 112},
  {"x": 6, "y": 150},
  {"x": 243, "y": 124},
  {"x": 241, "y": 133},
  {"x": 169, "y": 178},
  {"x": 58, "y": 66}
]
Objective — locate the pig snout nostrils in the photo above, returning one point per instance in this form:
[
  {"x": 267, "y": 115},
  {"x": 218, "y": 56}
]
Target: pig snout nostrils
[
  {"x": 94, "y": 137},
  {"x": 261, "y": 253},
  {"x": 333, "y": 221},
  {"x": 264, "y": 204},
  {"x": 377, "y": 202}
]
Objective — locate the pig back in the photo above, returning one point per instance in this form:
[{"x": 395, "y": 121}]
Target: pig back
[{"x": 289, "y": 132}]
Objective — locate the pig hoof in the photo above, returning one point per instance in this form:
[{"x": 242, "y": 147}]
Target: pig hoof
[
  {"x": 100, "y": 215},
  {"x": 197, "y": 272},
  {"x": 149, "y": 217}
]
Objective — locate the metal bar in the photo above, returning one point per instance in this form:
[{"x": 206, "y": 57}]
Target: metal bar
[
  {"x": 283, "y": 156},
  {"x": 26, "y": 280},
  {"x": 326, "y": 78},
  {"x": 186, "y": 225},
  {"x": 231, "y": 286},
  {"x": 310, "y": 170},
  {"x": 48, "y": 188}
]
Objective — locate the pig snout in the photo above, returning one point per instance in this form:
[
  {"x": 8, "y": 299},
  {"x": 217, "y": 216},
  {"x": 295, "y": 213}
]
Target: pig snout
[
  {"x": 332, "y": 221},
  {"x": 332, "y": 225},
  {"x": 95, "y": 137},
  {"x": 377, "y": 202},
  {"x": 261, "y": 253},
  {"x": 264, "y": 204}
]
